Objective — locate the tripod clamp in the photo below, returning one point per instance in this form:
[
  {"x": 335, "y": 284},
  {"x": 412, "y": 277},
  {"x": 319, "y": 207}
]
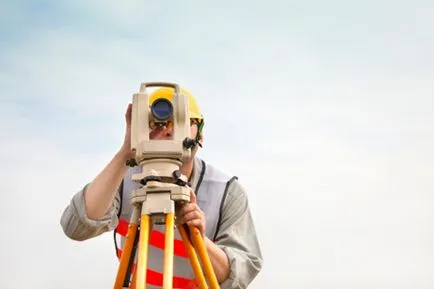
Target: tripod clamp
[{"x": 178, "y": 179}]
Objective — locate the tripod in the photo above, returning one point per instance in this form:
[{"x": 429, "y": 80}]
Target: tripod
[{"x": 156, "y": 202}]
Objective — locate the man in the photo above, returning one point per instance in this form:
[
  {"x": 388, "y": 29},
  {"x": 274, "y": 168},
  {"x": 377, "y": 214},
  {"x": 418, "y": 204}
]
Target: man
[{"x": 218, "y": 208}]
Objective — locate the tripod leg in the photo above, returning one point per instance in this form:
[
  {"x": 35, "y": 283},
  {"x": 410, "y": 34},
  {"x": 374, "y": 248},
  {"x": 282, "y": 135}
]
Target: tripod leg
[
  {"x": 134, "y": 267},
  {"x": 203, "y": 254},
  {"x": 140, "y": 281},
  {"x": 128, "y": 248},
  {"x": 169, "y": 251},
  {"x": 200, "y": 278},
  {"x": 133, "y": 282}
]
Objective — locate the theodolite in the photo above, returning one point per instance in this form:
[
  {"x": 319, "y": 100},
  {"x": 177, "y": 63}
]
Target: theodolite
[{"x": 163, "y": 190}]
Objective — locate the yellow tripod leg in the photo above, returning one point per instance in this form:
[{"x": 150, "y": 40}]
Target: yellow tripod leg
[
  {"x": 200, "y": 278},
  {"x": 140, "y": 282},
  {"x": 198, "y": 243},
  {"x": 126, "y": 252},
  {"x": 168, "y": 251}
]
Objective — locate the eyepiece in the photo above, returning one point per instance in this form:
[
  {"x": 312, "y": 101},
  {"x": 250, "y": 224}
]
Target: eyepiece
[{"x": 162, "y": 109}]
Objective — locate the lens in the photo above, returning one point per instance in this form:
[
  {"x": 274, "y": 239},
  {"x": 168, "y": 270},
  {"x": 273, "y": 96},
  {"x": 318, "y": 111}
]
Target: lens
[{"x": 162, "y": 109}]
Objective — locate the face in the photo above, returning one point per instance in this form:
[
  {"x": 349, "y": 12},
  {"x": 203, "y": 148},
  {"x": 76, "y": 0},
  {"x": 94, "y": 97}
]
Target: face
[{"x": 166, "y": 132}]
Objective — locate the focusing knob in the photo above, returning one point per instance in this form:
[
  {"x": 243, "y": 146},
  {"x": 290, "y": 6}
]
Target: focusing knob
[
  {"x": 180, "y": 179},
  {"x": 131, "y": 163},
  {"x": 188, "y": 143},
  {"x": 177, "y": 174}
]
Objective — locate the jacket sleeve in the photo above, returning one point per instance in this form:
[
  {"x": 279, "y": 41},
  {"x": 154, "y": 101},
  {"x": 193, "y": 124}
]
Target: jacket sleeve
[
  {"x": 76, "y": 224},
  {"x": 237, "y": 238}
]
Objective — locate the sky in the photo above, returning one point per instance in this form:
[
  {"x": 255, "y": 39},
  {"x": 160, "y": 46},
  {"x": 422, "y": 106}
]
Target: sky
[{"x": 323, "y": 109}]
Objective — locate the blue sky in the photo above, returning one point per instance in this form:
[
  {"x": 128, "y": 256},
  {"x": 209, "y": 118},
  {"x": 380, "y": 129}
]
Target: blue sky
[{"x": 323, "y": 109}]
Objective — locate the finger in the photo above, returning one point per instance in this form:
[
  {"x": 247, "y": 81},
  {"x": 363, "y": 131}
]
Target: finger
[
  {"x": 193, "y": 197},
  {"x": 129, "y": 109},
  {"x": 196, "y": 223},
  {"x": 192, "y": 216},
  {"x": 188, "y": 208},
  {"x": 128, "y": 114}
]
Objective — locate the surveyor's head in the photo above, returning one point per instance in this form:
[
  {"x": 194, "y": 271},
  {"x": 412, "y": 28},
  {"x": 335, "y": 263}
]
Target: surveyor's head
[{"x": 195, "y": 115}]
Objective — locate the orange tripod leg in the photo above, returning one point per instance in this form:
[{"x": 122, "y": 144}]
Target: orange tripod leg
[
  {"x": 200, "y": 278},
  {"x": 126, "y": 252},
  {"x": 140, "y": 280},
  {"x": 133, "y": 282},
  {"x": 168, "y": 251},
  {"x": 203, "y": 254}
]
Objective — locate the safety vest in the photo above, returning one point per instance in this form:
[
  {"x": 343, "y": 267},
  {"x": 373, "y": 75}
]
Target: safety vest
[{"x": 210, "y": 190}]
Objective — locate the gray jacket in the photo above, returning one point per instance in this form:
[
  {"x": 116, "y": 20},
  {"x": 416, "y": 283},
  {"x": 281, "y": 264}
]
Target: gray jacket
[{"x": 236, "y": 235}]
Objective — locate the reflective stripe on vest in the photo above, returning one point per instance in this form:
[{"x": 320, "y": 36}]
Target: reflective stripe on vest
[{"x": 210, "y": 193}]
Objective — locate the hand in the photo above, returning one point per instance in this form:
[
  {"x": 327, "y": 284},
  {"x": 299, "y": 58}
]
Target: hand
[
  {"x": 192, "y": 215},
  {"x": 126, "y": 146}
]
